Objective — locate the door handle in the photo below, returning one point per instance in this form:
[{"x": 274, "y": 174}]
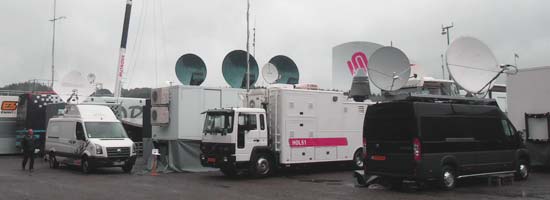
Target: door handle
[{"x": 256, "y": 140}]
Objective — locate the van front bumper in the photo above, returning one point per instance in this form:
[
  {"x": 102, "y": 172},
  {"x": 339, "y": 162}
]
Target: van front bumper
[{"x": 111, "y": 162}]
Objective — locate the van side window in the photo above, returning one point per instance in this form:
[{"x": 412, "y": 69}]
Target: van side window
[
  {"x": 507, "y": 129},
  {"x": 441, "y": 128},
  {"x": 262, "y": 122},
  {"x": 80, "y": 132}
]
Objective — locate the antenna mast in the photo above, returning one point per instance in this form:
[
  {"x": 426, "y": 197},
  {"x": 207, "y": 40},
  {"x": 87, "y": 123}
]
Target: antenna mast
[
  {"x": 122, "y": 52},
  {"x": 54, "y": 18},
  {"x": 247, "y": 47}
]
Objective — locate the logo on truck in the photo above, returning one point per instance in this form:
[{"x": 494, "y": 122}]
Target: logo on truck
[
  {"x": 9, "y": 105},
  {"x": 358, "y": 61},
  {"x": 317, "y": 142}
]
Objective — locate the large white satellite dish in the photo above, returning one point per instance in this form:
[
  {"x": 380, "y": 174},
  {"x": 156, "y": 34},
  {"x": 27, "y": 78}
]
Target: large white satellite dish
[
  {"x": 270, "y": 73},
  {"x": 389, "y": 68},
  {"x": 71, "y": 83},
  {"x": 471, "y": 64}
]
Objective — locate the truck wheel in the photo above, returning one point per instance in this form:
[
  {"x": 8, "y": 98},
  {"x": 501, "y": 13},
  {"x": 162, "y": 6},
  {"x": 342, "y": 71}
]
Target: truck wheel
[
  {"x": 85, "y": 165},
  {"x": 52, "y": 161},
  {"x": 448, "y": 178},
  {"x": 358, "y": 159},
  {"x": 522, "y": 170},
  {"x": 127, "y": 168},
  {"x": 261, "y": 166}
]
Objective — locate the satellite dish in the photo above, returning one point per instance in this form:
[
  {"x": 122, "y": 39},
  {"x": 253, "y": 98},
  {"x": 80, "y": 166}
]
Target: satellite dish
[
  {"x": 91, "y": 78},
  {"x": 71, "y": 84},
  {"x": 389, "y": 68},
  {"x": 234, "y": 69},
  {"x": 471, "y": 64},
  {"x": 270, "y": 73},
  {"x": 287, "y": 69},
  {"x": 190, "y": 70}
]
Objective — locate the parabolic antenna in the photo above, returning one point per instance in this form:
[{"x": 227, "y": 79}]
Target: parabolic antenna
[
  {"x": 270, "y": 73},
  {"x": 389, "y": 68},
  {"x": 71, "y": 83},
  {"x": 471, "y": 64},
  {"x": 190, "y": 70},
  {"x": 234, "y": 69},
  {"x": 287, "y": 69}
]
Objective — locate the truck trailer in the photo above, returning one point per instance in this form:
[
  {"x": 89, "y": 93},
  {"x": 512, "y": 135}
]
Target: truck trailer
[
  {"x": 528, "y": 98},
  {"x": 283, "y": 127}
]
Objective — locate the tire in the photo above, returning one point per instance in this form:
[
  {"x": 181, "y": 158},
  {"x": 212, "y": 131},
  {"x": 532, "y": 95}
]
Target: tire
[
  {"x": 127, "y": 168},
  {"x": 261, "y": 166},
  {"x": 359, "y": 159},
  {"x": 447, "y": 179},
  {"x": 52, "y": 161},
  {"x": 522, "y": 170},
  {"x": 85, "y": 165}
]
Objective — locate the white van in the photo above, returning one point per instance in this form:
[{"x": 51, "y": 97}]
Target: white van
[{"x": 89, "y": 136}]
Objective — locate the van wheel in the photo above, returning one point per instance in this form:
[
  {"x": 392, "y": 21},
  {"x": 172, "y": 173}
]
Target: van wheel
[
  {"x": 522, "y": 170},
  {"x": 261, "y": 166},
  {"x": 359, "y": 159},
  {"x": 448, "y": 178},
  {"x": 52, "y": 161},
  {"x": 85, "y": 165}
]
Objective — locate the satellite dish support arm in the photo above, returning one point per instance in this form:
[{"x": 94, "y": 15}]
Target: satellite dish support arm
[{"x": 494, "y": 78}]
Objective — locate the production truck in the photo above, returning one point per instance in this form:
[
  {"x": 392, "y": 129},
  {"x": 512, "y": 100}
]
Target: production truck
[
  {"x": 528, "y": 95},
  {"x": 283, "y": 127}
]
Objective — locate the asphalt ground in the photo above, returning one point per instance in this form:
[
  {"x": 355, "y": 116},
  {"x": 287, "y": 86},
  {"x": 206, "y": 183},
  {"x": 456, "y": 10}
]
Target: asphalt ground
[{"x": 317, "y": 183}]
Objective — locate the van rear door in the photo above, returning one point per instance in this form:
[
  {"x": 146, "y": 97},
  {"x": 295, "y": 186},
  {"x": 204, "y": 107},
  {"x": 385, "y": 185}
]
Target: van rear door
[{"x": 389, "y": 130}]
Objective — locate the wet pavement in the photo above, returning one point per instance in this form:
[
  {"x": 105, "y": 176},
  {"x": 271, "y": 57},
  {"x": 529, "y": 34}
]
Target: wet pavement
[{"x": 112, "y": 183}]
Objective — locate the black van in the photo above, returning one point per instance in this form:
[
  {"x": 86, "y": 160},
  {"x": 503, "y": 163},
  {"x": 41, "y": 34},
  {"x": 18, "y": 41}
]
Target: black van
[{"x": 441, "y": 141}]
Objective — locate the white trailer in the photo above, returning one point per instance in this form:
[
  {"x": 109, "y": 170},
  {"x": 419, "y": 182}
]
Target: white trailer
[
  {"x": 528, "y": 96},
  {"x": 287, "y": 127},
  {"x": 8, "y": 115},
  {"x": 177, "y": 121}
]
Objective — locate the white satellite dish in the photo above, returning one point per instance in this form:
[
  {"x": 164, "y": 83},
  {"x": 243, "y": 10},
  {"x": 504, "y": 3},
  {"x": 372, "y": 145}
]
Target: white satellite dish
[
  {"x": 471, "y": 64},
  {"x": 389, "y": 68},
  {"x": 74, "y": 83},
  {"x": 270, "y": 73}
]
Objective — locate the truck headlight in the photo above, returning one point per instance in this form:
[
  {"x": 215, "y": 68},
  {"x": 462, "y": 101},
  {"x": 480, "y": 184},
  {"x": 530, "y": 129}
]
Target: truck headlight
[{"x": 98, "y": 149}]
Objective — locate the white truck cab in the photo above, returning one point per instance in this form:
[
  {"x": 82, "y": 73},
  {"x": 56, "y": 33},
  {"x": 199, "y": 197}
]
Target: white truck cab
[
  {"x": 89, "y": 136},
  {"x": 288, "y": 127}
]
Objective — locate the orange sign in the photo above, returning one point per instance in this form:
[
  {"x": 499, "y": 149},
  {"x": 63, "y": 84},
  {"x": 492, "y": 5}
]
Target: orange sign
[{"x": 9, "y": 105}]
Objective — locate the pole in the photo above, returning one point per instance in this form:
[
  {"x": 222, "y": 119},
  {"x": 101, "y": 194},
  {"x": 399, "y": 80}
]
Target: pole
[
  {"x": 445, "y": 30},
  {"x": 247, "y": 48},
  {"x": 122, "y": 52},
  {"x": 442, "y": 67},
  {"x": 53, "y": 43}
]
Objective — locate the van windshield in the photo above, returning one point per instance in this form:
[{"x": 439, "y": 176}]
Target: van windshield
[
  {"x": 105, "y": 130},
  {"x": 218, "y": 122}
]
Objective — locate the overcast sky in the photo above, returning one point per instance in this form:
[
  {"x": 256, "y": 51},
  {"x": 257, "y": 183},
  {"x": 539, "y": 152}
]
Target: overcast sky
[{"x": 305, "y": 30}]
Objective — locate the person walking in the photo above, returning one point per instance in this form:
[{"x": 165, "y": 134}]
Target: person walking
[{"x": 28, "y": 144}]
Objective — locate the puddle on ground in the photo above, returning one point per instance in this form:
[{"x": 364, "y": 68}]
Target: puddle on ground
[{"x": 329, "y": 181}]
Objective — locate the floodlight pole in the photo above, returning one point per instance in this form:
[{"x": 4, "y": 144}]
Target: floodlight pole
[
  {"x": 445, "y": 31},
  {"x": 53, "y": 20}
]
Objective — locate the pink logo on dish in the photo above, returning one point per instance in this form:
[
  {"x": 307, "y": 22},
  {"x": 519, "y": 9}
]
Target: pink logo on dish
[{"x": 358, "y": 61}]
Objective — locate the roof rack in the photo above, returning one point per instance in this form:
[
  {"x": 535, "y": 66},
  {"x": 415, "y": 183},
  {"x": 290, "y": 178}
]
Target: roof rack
[{"x": 437, "y": 99}]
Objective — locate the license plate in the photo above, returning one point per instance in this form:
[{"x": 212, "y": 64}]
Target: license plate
[
  {"x": 377, "y": 157},
  {"x": 211, "y": 160},
  {"x": 118, "y": 163}
]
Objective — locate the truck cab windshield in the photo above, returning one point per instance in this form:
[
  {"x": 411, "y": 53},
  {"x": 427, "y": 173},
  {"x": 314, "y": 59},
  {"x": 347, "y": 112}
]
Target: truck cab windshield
[
  {"x": 105, "y": 130},
  {"x": 218, "y": 122}
]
